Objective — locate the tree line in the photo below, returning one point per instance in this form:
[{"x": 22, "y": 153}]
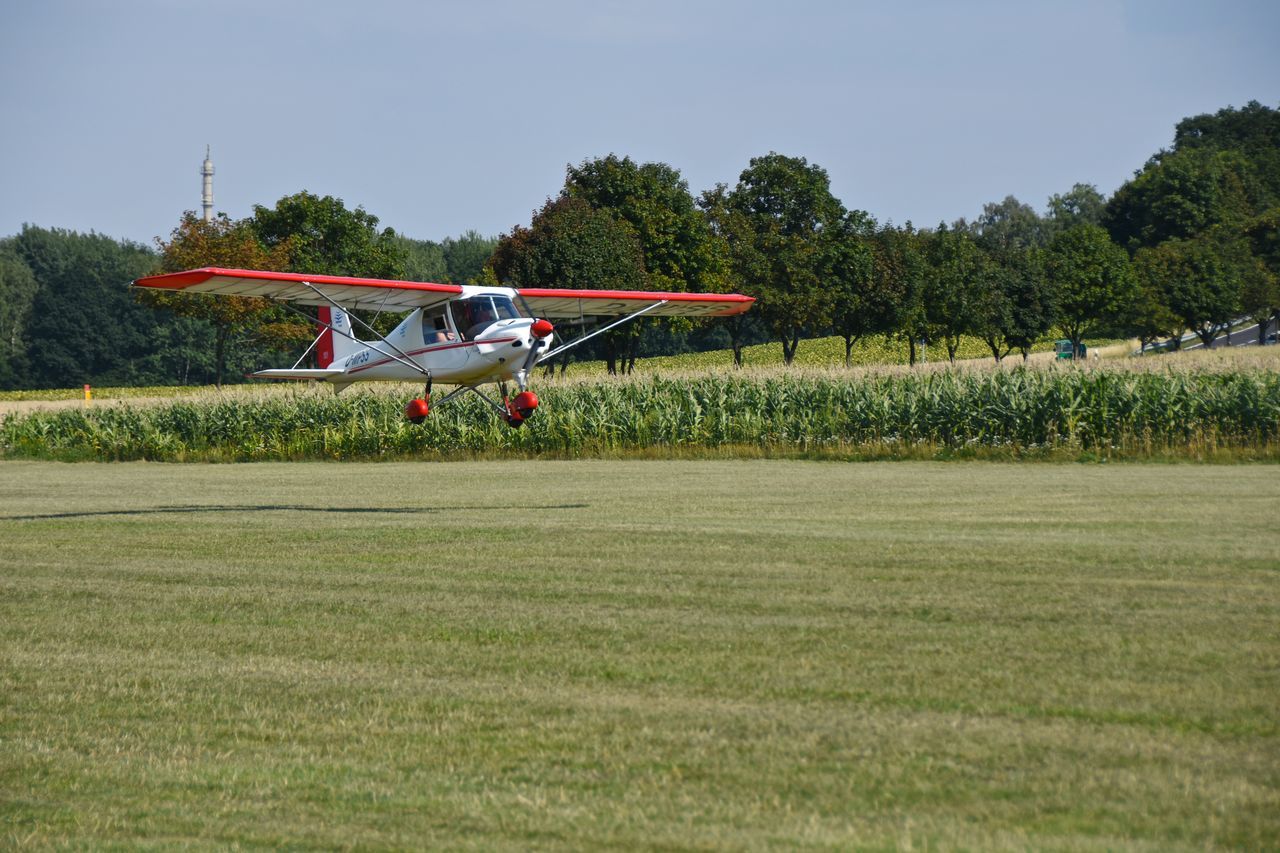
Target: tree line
[
  {"x": 67, "y": 316},
  {"x": 1190, "y": 242}
]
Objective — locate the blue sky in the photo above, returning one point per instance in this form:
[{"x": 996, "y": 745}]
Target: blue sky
[{"x": 443, "y": 117}]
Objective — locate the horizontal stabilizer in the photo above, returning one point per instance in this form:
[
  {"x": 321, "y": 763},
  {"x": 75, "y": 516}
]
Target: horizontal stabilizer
[{"x": 321, "y": 373}]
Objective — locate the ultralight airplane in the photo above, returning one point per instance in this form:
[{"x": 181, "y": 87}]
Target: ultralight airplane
[{"x": 460, "y": 335}]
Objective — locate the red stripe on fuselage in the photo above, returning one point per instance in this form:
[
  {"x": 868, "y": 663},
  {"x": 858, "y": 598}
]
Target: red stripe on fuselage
[{"x": 431, "y": 349}]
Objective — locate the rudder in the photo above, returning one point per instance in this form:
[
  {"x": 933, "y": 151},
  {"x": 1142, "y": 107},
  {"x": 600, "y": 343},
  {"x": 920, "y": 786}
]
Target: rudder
[{"x": 335, "y": 343}]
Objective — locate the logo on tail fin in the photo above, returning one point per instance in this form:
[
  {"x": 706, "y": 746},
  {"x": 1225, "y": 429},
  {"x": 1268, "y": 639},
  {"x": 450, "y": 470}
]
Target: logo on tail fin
[{"x": 336, "y": 340}]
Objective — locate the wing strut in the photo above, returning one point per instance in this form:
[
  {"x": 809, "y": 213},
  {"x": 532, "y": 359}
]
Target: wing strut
[
  {"x": 370, "y": 344},
  {"x": 633, "y": 315},
  {"x": 408, "y": 359}
]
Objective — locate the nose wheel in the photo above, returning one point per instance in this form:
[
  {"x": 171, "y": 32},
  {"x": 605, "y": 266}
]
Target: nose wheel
[{"x": 519, "y": 408}]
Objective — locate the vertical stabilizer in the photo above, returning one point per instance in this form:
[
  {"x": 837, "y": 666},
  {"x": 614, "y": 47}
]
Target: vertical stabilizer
[{"x": 335, "y": 342}]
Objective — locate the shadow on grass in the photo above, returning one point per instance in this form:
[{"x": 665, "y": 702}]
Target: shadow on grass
[{"x": 193, "y": 508}]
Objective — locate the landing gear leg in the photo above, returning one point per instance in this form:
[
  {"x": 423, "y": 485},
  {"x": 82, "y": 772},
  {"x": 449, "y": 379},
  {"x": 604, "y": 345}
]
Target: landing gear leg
[{"x": 416, "y": 411}]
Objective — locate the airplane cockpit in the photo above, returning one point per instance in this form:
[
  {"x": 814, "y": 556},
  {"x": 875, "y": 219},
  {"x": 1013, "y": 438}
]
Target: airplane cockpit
[{"x": 473, "y": 315}]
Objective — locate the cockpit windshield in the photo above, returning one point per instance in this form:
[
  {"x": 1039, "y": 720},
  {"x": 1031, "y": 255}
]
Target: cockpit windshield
[{"x": 475, "y": 314}]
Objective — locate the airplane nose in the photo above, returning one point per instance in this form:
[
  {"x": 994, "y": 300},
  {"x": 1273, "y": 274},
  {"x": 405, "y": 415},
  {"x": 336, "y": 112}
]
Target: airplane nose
[{"x": 541, "y": 328}]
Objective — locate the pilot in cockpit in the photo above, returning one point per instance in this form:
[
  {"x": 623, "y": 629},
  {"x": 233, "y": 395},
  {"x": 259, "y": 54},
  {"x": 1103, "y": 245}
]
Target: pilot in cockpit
[
  {"x": 481, "y": 317},
  {"x": 436, "y": 332}
]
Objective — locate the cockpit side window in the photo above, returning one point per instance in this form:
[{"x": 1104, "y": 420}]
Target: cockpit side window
[{"x": 435, "y": 330}]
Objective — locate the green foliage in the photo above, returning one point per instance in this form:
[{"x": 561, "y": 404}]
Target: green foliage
[
  {"x": 1253, "y": 130},
  {"x": 1081, "y": 205},
  {"x": 17, "y": 295},
  {"x": 1200, "y": 284},
  {"x": 240, "y": 323},
  {"x": 571, "y": 244},
  {"x": 424, "y": 260},
  {"x": 957, "y": 288},
  {"x": 1090, "y": 279},
  {"x": 83, "y": 325},
  {"x": 325, "y": 238},
  {"x": 1182, "y": 194},
  {"x": 466, "y": 256},
  {"x": 1010, "y": 225},
  {"x": 862, "y": 303},
  {"x": 656, "y": 202},
  {"x": 784, "y": 214}
]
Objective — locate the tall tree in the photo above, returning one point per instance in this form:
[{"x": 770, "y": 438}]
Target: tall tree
[
  {"x": 235, "y": 319},
  {"x": 1029, "y": 298},
  {"x": 1080, "y": 205},
  {"x": 1090, "y": 278},
  {"x": 84, "y": 327},
  {"x": 732, "y": 242},
  {"x": 326, "y": 238},
  {"x": 423, "y": 260},
  {"x": 1181, "y": 194},
  {"x": 1262, "y": 292},
  {"x": 1253, "y": 130},
  {"x": 1009, "y": 225},
  {"x": 862, "y": 304},
  {"x": 958, "y": 284},
  {"x": 466, "y": 256},
  {"x": 571, "y": 244},
  {"x": 788, "y": 206},
  {"x": 17, "y": 295},
  {"x": 655, "y": 200}
]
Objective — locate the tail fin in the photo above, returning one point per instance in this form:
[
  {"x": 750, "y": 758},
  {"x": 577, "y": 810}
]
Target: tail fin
[{"x": 336, "y": 342}]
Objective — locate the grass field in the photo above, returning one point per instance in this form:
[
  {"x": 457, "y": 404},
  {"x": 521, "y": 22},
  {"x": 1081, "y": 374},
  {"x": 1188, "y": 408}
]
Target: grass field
[{"x": 640, "y": 655}]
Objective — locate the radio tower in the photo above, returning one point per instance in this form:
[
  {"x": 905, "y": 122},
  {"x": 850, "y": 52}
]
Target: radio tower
[{"x": 206, "y": 197}]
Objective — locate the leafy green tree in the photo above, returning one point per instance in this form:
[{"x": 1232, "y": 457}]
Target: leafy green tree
[
  {"x": 1182, "y": 194},
  {"x": 466, "y": 256},
  {"x": 656, "y": 202},
  {"x": 325, "y": 238},
  {"x": 732, "y": 242},
  {"x": 424, "y": 260},
  {"x": 787, "y": 206},
  {"x": 1261, "y": 293},
  {"x": 899, "y": 269},
  {"x": 1253, "y": 130},
  {"x": 1081, "y": 205},
  {"x": 1201, "y": 284},
  {"x": 674, "y": 233},
  {"x": 1009, "y": 225},
  {"x": 571, "y": 244},
  {"x": 1090, "y": 279},
  {"x": 17, "y": 295},
  {"x": 1149, "y": 315},
  {"x": 1029, "y": 298},
  {"x": 84, "y": 327},
  {"x": 236, "y": 321},
  {"x": 862, "y": 304},
  {"x": 958, "y": 289}
]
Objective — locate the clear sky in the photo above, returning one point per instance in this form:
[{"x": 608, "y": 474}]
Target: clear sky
[{"x": 438, "y": 117}]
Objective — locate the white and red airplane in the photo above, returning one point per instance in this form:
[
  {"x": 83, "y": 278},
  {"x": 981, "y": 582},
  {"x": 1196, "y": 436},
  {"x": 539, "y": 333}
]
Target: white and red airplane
[{"x": 459, "y": 335}]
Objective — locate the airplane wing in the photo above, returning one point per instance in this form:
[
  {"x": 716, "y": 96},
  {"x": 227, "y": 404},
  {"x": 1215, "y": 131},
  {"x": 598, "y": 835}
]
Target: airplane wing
[
  {"x": 373, "y": 294},
  {"x": 386, "y": 295},
  {"x": 558, "y": 303}
]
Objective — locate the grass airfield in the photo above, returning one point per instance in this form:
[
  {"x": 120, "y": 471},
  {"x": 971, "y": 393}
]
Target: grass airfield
[{"x": 640, "y": 654}]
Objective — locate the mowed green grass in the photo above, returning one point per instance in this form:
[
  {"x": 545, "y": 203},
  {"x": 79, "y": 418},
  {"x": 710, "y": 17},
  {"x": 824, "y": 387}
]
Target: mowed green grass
[{"x": 640, "y": 655}]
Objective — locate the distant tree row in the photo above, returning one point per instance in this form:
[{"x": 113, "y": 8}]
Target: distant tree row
[
  {"x": 67, "y": 318},
  {"x": 1189, "y": 243}
]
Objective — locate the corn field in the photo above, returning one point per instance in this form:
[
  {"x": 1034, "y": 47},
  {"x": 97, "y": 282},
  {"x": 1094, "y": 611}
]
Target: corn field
[{"x": 1015, "y": 412}]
